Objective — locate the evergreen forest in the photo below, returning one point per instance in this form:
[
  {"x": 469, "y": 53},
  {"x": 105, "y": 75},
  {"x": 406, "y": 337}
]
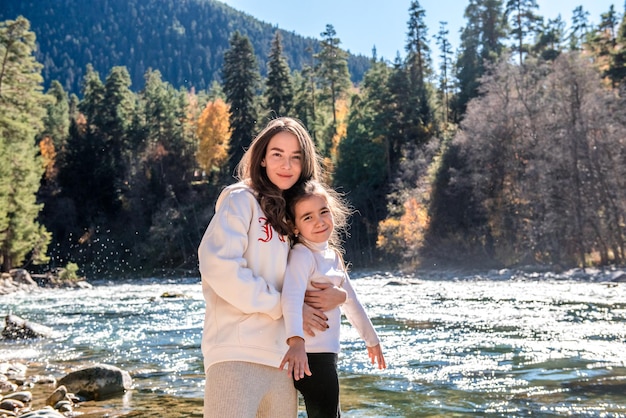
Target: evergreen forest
[
  {"x": 184, "y": 40},
  {"x": 511, "y": 152}
]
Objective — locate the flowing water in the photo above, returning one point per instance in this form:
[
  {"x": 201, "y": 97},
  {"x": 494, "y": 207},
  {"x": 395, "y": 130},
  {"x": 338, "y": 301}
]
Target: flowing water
[{"x": 498, "y": 344}]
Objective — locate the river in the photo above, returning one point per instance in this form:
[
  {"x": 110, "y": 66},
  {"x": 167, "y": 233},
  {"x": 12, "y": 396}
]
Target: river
[{"x": 492, "y": 344}]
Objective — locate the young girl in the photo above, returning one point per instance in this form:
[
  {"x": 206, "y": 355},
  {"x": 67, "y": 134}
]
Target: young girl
[
  {"x": 243, "y": 256},
  {"x": 316, "y": 214}
]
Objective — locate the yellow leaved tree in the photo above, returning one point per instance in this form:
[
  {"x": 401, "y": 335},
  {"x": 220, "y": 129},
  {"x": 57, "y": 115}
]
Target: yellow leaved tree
[
  {"x": 213, "y": 137},
  {"x": 404, "y": 237}
]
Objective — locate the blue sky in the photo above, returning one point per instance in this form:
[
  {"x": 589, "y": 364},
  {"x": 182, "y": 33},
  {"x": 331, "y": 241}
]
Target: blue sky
[{"x": 363, "y": 24}]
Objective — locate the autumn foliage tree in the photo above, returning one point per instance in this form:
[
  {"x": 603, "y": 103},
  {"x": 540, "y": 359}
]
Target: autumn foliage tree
[
  {"x": 49, "y": 156},
  {"x": 54, "y": 135},
  {"x": 213, "y": 137},
  {"x": 403, "y": 237}
]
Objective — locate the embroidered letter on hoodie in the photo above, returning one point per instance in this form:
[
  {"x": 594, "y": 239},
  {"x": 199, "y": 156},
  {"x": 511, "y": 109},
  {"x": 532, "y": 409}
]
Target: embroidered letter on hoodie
[{"x": 268, "y": 231}]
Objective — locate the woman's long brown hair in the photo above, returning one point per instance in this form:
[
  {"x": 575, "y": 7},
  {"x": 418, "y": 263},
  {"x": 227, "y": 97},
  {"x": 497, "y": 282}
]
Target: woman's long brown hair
[{"x": 250, "y": 170}]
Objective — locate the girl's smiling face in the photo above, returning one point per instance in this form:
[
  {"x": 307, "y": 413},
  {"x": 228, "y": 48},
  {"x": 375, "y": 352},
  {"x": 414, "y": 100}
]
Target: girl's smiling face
[
  {"x": 313, "y": 219},
  {"x": 283, "y": 160}
]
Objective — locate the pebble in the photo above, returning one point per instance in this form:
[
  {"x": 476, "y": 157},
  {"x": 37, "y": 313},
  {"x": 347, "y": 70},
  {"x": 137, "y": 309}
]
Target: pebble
[
  {"x": 57, "y": 396},
  {"x": 15, "y": 403},
  {"x": 24, "y": 396},
  {"x": 11, "y": 405},
  {"x": 47, "y": 412}
]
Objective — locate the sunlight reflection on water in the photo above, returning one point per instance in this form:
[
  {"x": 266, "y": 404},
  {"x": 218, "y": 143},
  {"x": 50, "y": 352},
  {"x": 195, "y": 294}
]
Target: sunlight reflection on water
[{"x": 502, "y": 345}]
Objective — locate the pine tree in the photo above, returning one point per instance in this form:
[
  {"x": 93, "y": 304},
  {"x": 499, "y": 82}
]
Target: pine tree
[
  {"x": 492, "y": 29},
  {"x": 469, "y": 65},
  {"x": 418, "y": 115},
  {"x": 97, "y": 164},
  {"x": 160, "y": 145},
  {"x": 605, "y": 46},
  {"x": 363, "y": 165},
  {"x": 117, "y": 109},
  {"x": 608, "y": 23},
  {"x": 332, "y": 70},
  {"x": 78, "y": 166},
  {"x": 524, "y": 23},
  {"x": 617, "y": 66},
  {"x": 481, "y": 44},
  {"x": 83, "y": 175},
  {"x": 398, "y": 104},
  {"x": 579, "y": 28},
  {"x": 550, "y": 39},
  {"x": 241, "y": 78},
  {"x": 445, "y": 66},
  {"x": 93, "y": 96},
  {"x": 417, "y": 46},
  {"x": 52, "y": 144},
  {"x": 57, "y": 121},
  {"x": 23, "y": 110},
  {"x": 304, "y": 103},
  {"x": 279, "y": 89},
  {"x": 54, "y": 136}
]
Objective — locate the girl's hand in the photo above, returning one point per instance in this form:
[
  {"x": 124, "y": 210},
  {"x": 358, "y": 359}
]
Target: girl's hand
[
  {"x": 296, "y": 359},
  {"x": 326, "y": 298},
  {"x": 376, "y": 356}
]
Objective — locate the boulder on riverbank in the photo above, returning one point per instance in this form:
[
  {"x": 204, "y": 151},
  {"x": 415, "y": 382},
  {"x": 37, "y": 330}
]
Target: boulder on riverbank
[{"x": 97, "y": 382}]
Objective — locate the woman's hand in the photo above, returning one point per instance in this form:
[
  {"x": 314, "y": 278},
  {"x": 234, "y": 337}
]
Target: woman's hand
[
  {"x": 316, "y": 302},
  {"x": 313, "y": 319},
  {"x": 326, "y": 298}
]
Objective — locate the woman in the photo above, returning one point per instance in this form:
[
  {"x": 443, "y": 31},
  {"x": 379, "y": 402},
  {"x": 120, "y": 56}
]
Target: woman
[{"x": 243, "y": 257}]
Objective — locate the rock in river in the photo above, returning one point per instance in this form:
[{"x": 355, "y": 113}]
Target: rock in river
[
  {"x": 97, "y": 382},
  {"x": 16, "y": 328}
]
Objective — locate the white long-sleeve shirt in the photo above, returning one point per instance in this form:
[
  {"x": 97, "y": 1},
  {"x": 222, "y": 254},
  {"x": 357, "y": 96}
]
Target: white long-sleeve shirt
[
  {"x": 242, "y": 265},
  {"x": 319, "y": 263}
]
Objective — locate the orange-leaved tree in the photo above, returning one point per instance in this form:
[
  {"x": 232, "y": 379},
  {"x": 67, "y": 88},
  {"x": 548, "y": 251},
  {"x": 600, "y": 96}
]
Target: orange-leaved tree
[
  {"x": 49, "y": 156},
  {"x": 213, "y": 136},
  {"x": 403, "y": 237}
]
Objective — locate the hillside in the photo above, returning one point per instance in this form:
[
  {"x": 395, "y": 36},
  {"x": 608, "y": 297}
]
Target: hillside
[{"x": 184, "y": 39}]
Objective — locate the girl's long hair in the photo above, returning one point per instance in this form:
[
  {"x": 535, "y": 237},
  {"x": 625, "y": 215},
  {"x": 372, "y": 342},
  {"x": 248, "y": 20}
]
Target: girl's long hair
[
  {"x": 250, "y": 170},
  {"x": 337, "y": 204}
]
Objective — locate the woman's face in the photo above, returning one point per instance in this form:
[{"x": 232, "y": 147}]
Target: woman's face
[{"x": 283, "y": 160}]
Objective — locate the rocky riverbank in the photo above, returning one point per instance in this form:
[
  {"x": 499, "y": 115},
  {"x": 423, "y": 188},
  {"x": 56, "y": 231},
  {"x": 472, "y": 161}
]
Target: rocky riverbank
[
  {"x": 33, "y": 388},
  {"x": 26, "y": 393},
  {"x": 36, "y": 388},
  {"x": 21, "y": 280}
]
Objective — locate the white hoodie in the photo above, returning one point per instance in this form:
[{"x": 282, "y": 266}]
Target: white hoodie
[{"x": 242, "y": 265}]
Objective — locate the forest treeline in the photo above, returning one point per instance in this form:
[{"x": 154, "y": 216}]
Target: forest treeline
[
  {"x": 511, "y": 152},
  {"x": 184, "y": 40}
]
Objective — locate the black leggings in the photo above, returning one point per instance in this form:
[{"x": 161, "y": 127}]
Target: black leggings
[{"x": 321, "y": 390}]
